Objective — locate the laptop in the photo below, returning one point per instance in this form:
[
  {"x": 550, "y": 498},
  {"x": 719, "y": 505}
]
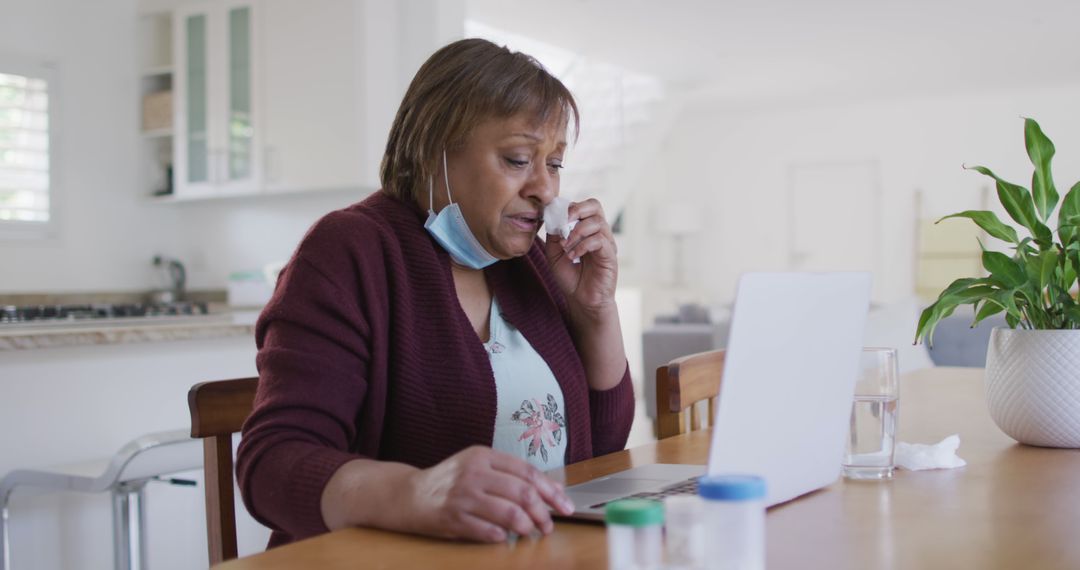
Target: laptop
[{"x": 785, "y": 400}]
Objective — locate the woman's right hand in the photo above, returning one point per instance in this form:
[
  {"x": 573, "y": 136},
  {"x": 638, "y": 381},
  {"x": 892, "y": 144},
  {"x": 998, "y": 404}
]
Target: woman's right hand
[{"x": 481, "y": 494}]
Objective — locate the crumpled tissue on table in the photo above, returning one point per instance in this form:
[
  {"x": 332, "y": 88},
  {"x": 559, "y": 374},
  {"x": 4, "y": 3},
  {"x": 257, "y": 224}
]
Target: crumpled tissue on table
[
  {"x": 919, "y": 456},
  {"x": 557, "y": 218}
]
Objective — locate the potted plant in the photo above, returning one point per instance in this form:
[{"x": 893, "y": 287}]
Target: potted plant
[{"x": 1033, "y": 366}]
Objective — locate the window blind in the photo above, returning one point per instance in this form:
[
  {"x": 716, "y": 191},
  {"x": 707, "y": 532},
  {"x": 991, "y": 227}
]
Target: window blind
[{"x": 24, "y": 149}]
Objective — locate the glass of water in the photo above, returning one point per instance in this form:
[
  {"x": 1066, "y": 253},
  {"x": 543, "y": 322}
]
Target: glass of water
[{"x": 869, "y": 453}]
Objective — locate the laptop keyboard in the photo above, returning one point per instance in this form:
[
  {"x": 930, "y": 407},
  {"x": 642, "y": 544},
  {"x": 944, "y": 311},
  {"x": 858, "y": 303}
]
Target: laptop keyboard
[{"x": 687, "y": 487}]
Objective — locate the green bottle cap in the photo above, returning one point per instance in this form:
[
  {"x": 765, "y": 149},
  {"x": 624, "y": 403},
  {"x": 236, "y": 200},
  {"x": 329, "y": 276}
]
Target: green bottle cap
[{"x": 634, "y": 512}]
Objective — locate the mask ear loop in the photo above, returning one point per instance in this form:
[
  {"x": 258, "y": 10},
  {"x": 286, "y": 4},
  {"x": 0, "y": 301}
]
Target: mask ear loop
[
  {"x": 446, "y": 176},
  {"x": 431, "y": 194}
]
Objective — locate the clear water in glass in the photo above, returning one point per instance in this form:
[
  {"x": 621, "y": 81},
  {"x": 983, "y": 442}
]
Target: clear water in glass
[{"x": 870, "y": 444}]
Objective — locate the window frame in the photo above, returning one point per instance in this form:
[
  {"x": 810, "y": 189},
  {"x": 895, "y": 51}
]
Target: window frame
[{"x": 39, "y": 68}]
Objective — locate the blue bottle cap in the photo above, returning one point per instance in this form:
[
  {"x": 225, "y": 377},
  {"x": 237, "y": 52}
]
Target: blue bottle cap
[{"x": 731, "y": 487}]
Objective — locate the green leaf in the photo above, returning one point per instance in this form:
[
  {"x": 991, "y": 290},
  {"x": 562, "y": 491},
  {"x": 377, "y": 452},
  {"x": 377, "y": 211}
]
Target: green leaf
[
  {"x": 1067, "y": 229},
  {"x": 1007, "y": 300},
  {"x": 1063, "y": 300},
  {"x": 1068, "y": 276},
  {"x": 1012, "y": 320},
  {"x": 960, "y": 285},
  {"x": 1040, "y": 267},
  {"x": 1003, "y": 269},
  {"x": 960, "y": 292},
  {"x": 930, "y": 315},
  {"x": 989, "y": 222},
  {"x": 965, "y": 297},
  {"x": 1048, "y": 261},
  {"x": 1018, "y": 203},
  {"x": 1032, "y": 264},
  {"x": 988, "y": 309},
  {"x": 1074, "y": 259},
  {"x": 1070, "y": 208},
  {"x": 1024, "y": 248},
  {"x": 1041, "y": 151},
  {"x": 1073, "y": 313},
  {"x": 973, "y": 294}
]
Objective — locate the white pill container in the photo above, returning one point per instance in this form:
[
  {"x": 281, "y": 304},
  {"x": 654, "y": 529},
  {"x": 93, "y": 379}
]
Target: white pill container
[
  {"x": 734, "y": 520},
  {"x": 634, "y": 534}
]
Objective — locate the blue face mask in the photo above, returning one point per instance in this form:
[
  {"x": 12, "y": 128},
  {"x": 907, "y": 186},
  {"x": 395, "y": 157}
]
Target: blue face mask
[{"x": 448, "y": 227}]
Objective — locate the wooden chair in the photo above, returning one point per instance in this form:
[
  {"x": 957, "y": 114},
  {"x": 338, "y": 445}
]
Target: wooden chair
[
  {"x": 218, "y": 409},
  {"x": 681, "y": 384}
]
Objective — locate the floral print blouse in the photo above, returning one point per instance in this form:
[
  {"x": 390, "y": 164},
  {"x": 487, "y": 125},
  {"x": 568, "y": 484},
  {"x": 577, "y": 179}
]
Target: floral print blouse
[{"x": 529, "y": 422}]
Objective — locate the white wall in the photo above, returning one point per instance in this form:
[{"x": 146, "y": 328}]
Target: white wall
[
  {"x": 106, "y": 233},
  {"x": 735, "y": 165},
  {"x": 217, "y": 237}
]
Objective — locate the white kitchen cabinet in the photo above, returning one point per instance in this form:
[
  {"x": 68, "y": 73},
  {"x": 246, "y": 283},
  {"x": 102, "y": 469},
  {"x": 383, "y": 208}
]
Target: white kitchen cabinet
[
  {"x": 217, "y": 113},
  {"x": 276, "y": 96},
  {"x": 313, "y": 93}
]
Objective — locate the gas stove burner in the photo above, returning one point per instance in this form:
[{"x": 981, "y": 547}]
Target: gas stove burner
[{"x": 62, "y": 313}]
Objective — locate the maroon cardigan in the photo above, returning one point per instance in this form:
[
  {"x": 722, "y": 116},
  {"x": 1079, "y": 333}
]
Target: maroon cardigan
[{"x": 364, "y": 351}]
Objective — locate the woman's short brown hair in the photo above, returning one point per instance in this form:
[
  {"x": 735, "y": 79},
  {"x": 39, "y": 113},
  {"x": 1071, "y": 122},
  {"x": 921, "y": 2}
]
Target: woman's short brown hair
[{"x": 458, "y": 87}]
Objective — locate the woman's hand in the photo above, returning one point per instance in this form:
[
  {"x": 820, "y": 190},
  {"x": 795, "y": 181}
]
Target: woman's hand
[
  {"x": 589, "y": 285},
  {"x": 481, "y": 494}
]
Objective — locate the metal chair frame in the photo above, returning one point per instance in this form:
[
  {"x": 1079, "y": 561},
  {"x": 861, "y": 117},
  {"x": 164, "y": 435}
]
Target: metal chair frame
[{"x": 126, "y": 486}]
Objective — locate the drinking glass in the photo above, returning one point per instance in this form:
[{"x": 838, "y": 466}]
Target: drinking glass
[{"x": 870, "y": 442}]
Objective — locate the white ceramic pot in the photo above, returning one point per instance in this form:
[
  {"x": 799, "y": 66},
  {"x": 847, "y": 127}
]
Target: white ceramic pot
[{"x": 1033, "y": 385}]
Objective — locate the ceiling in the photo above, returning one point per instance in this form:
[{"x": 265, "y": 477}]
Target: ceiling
[{"x": 779, "y": 50}]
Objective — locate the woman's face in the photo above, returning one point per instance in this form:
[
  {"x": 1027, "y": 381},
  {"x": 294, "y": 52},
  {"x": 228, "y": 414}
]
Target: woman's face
[{"x": 502, "y": 178}]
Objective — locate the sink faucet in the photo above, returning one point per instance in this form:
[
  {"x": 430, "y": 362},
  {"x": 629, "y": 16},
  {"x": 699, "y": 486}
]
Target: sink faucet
[{"x": 177, "y": 276}]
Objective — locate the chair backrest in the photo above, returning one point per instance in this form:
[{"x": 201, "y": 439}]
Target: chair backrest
[
  {"x": 218, "y": 410},
  {"x": 682, "y": 383}
]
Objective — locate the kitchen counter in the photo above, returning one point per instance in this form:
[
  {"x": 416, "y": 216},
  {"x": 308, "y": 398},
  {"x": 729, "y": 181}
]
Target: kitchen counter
[{"x": 26, "y": 336}]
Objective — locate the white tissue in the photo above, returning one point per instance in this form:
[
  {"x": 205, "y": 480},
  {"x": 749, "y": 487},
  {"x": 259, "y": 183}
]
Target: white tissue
[
  {"x": 557, "y": 217},
  {"x": 919, "y": 456}
]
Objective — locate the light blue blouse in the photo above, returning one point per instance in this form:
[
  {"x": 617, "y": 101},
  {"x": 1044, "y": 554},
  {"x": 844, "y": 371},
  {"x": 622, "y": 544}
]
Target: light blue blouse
[{"x": 529, "y": 421}]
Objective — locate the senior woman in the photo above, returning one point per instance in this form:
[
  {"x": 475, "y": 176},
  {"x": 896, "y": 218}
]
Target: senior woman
[{"x": 426, "y": 355}]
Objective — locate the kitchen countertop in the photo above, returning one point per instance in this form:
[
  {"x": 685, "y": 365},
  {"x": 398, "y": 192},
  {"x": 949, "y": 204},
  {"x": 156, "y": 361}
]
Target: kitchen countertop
[{"x": 25, "y": 336}]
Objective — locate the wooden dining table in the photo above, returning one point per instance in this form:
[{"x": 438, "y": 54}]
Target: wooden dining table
[{"x": 1012, "y": 506}]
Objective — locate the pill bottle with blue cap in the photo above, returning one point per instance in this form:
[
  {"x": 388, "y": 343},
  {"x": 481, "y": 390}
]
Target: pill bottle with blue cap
[
  {"x": 634, "y": 534},
  {"x": 734, "y": 516}
]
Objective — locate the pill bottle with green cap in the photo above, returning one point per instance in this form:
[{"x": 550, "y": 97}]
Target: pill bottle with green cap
[
  {"x": 734, "y": 516},
  {"x": 634, "y": 534}
]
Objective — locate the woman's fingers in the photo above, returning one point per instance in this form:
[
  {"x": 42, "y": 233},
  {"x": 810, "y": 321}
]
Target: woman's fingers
[
  {"x": 585, "y": 209},
  {"x": 479, "y": 529},
  {"x": 550, "y": 491},
  {"x": 591, "y": 227},
  {"x": 553, "y": 248},
  {"x": 490, "y": 507},
  {"x": 526, "y": 496},
  {"x": 595, "y": 242},
  {"x": 509, "y": 514}
]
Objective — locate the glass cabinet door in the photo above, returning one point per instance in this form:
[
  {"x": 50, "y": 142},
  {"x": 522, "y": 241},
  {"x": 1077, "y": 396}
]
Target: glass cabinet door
[
  {"x": 198, "y": 155},
  {"x": 240, "y": 135}
]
